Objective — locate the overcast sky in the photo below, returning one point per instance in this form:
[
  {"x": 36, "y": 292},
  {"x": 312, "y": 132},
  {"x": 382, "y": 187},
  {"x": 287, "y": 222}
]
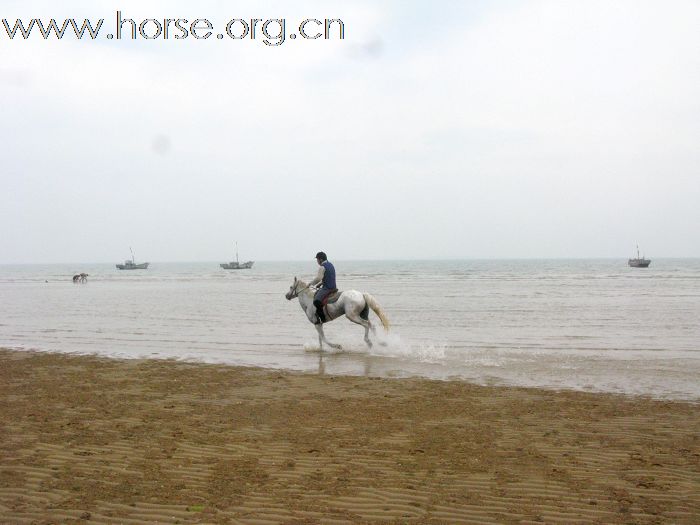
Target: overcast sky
[{"x": 434, "y": 130}]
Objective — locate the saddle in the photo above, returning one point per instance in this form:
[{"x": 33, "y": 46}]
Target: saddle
[{"x": 331, "y": 297}]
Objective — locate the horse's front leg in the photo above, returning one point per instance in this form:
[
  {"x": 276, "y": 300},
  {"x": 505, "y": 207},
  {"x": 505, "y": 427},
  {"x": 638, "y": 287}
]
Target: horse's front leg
[
  {"x": 319, "y": 329},
  {"x": 322, "y": 338}
]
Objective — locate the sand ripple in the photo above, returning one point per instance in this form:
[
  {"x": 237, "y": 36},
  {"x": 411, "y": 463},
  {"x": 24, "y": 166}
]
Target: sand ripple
[{"x": 105, "y": 441}]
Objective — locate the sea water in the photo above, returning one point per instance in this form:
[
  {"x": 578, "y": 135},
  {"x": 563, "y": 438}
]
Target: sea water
[{"x": 594, "y": 325}]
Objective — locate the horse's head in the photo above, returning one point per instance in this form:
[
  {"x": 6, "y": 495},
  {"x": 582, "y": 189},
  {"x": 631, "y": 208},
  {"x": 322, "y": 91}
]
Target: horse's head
[{"x": 297, "y": 286}]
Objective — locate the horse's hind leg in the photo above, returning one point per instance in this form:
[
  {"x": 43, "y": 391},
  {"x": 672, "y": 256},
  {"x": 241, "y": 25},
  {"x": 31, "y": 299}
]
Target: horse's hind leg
[
  {"x": 357, "y": 319},
  {"x": 364, "y": 314},
  {"x": 374, "y": 333}
]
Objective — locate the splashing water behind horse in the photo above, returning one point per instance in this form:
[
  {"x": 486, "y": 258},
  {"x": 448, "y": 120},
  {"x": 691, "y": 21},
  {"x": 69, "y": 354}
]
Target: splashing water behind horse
[{"x": 351, "y": 303}]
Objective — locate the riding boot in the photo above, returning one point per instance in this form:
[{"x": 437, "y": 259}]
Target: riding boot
[{"x": 321, "y": 315}]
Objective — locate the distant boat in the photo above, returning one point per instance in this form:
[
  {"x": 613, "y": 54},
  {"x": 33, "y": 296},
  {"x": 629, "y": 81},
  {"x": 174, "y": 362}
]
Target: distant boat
[
  {"x": 639, "y": 262},
  {"x": 130, "y": 264},
  {"x": 235, "y": 265}
]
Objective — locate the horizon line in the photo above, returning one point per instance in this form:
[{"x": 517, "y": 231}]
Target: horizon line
[{"x": 434, "y": 259}]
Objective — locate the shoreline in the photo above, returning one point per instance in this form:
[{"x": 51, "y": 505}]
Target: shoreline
[
  {"x": 597, "y": 378},
  {"x": 102, "y": 440}
]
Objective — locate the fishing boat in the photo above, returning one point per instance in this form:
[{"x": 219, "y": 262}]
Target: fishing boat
[
  {"x": 130, "y": 264},
  {"x": 639, "y": 262},
  {"x": 236, "y": 265}
]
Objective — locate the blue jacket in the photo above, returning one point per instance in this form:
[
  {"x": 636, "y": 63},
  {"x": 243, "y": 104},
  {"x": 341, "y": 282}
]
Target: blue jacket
[{"x": 328, "y": 276}]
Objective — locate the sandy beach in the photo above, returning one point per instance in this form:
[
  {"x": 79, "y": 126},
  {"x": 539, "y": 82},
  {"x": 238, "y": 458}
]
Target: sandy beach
[{"x": 87, "y": 439}]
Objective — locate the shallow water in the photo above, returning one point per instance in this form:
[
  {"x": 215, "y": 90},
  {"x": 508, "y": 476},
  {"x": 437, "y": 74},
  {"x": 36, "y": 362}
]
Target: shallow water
[{"x": 583, "y": 324}]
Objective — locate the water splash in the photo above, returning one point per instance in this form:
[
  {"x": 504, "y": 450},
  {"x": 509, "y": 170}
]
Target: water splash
[{"x": 394, "y": 346}]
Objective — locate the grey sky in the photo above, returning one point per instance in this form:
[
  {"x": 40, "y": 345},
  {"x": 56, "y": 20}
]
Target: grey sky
[{"x": 502, "y": 129}]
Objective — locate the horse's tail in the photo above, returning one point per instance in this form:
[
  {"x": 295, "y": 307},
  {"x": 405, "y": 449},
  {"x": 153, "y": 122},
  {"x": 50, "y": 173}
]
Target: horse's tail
[{"x": 374, "y": 305}]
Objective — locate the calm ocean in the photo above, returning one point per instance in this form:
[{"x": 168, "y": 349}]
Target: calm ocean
[{"x": 592, "y": 325}]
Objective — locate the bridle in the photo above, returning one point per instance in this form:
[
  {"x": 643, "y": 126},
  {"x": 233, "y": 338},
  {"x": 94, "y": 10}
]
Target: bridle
[{"x": 295, "y": 292}]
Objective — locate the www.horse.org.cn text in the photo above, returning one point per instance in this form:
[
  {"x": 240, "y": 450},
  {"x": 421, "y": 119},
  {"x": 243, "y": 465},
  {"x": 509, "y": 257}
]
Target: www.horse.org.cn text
[{"x": 271, "y": 31}]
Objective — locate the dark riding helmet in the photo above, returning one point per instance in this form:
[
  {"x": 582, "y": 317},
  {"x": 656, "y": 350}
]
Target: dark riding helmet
[{"x": 322, "y": 256}]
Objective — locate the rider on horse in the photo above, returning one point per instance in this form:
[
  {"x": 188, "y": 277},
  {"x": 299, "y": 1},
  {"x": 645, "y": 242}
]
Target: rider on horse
[{"x": 325, "y": 276}]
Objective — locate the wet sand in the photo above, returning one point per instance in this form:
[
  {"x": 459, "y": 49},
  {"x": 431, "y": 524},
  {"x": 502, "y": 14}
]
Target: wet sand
[{"x": 92, "y": 440}]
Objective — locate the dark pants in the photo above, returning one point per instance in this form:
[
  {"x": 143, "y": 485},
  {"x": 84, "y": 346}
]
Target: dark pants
[{"x": 321, "y": 294}]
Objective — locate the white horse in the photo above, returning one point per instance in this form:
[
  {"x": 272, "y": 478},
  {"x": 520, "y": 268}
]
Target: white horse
[{"x": 355, "y": 305}]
